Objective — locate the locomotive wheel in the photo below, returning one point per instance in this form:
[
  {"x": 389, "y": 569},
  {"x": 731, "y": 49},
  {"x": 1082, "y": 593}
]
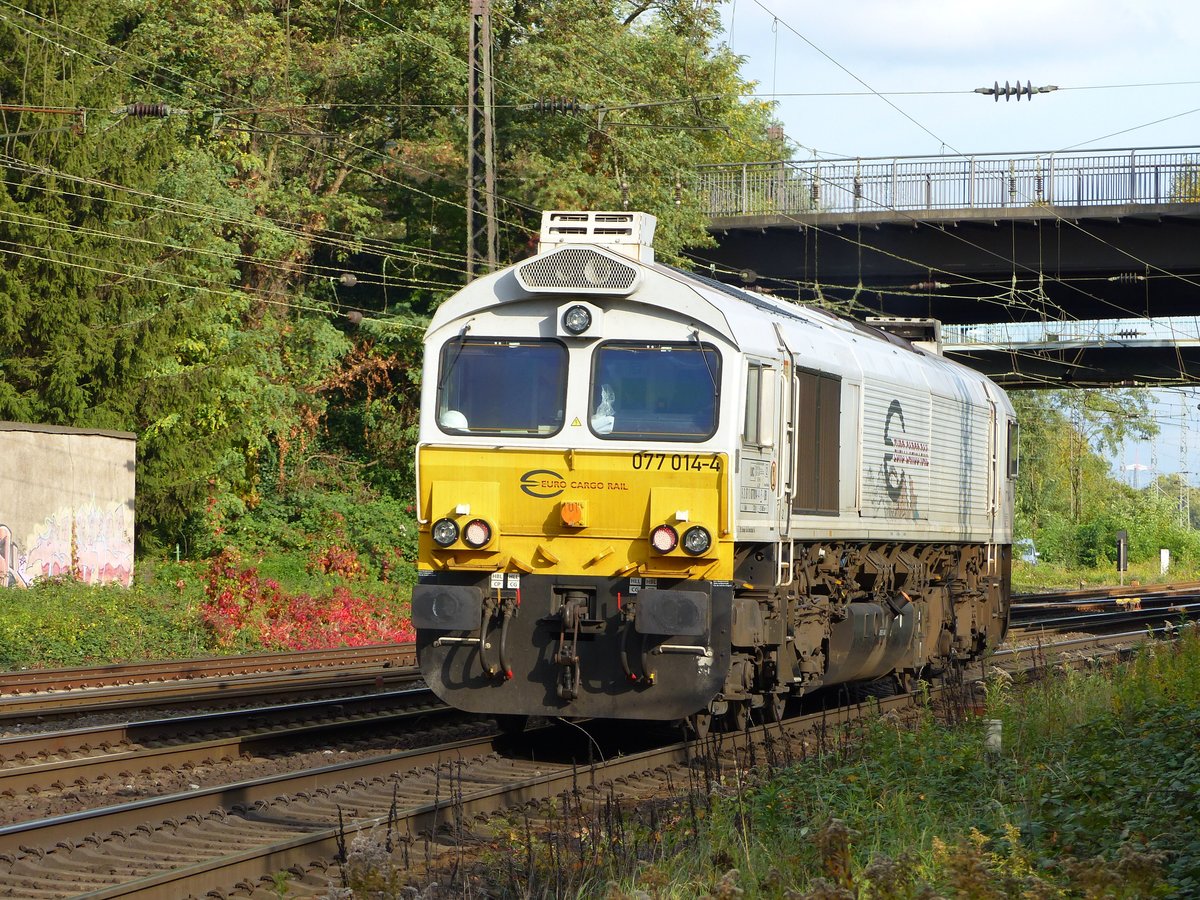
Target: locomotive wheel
[
  {"x": 699, "y": 724},
  {"x": 775, "y": 706},
  {"x": 511, "y": 724},
  {"x": 739, "y": 716},
  {"x": 877, "y": 689}
]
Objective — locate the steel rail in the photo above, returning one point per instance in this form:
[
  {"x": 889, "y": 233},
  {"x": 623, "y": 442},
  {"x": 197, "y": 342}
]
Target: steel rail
[
  {"x": 495, "y": 783},
  {"x": 116, "y": 751},
  {"x": 206, "y": 691},
  {"x": 1107, "y": 593},
  {"x": 1114, "y": 617},
  {"x": 1097, "y": 642},
  {"x": 200, "y": 667}
]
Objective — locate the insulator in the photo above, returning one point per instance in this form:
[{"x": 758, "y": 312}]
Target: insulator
[
  {"x": 148, "y": 110},
  {"x": 556, "y": 104},
  {"x": 1015, "y": 90}
]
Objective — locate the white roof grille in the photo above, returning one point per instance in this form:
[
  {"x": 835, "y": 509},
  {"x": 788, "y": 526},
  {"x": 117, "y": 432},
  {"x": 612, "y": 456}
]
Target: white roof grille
[
  {"x": 578, "y": 270},
  {"x": 630, "y": 234}
]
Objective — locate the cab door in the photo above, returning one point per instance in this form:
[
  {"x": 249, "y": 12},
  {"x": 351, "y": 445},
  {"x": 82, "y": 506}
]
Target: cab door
[{"x": 758, "y": 471}]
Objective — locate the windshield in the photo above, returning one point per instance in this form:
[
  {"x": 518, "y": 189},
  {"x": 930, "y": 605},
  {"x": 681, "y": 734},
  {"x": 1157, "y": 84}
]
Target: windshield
[
  {"x": 502, "y": 387},
  {"x": 666, "y": 392}
]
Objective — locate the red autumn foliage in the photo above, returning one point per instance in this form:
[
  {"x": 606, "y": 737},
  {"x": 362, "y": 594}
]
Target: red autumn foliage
[
  {"x": 338, "y": 560},
  {"x": 243, "y": 608}
]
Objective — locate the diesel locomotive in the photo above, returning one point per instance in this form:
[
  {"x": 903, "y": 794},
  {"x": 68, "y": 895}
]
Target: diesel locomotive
[{"x": 645, "y": 494}]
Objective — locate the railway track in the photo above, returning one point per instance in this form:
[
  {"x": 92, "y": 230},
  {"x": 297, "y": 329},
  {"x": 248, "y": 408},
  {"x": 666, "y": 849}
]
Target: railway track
[
  {"x": 219, "y": 839},
  {"x": 1106, "y": 609},
  {"x": 37, "y": 694},
  {"x": 62, "y": 761},
  {"x": 239, "y": 837},
  {"x": 1082, "y": 595},
  {"x": 201, "y": 842},
  {"x": 32, "y": 680}
]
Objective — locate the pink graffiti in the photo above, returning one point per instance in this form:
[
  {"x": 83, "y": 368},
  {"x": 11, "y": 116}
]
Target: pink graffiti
[{"x": 88, "y": 543}]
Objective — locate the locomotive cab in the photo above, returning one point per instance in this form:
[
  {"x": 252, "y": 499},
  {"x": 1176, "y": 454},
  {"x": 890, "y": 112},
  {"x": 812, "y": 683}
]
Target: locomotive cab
[{"x": 646, "y": 495}]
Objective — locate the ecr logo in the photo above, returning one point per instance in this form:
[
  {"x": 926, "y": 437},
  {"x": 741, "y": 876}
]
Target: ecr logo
[{"x": 542, "y": 483}]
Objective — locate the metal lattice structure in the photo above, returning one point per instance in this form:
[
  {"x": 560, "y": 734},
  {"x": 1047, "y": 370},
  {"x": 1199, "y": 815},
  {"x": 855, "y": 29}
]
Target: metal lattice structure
[{"x": 481, "y": 143}]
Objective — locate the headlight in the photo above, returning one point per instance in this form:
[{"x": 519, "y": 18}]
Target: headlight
[
  {"x": 696, "y": 540},
  {"x": 477, "y": 533},
  {"x": 577, "y": 319},
  {"x": 444, "y": 532},
  {"x": 664, "y": 538}
]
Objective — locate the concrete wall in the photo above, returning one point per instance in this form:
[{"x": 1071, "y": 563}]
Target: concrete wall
[{"x": 66, "y": 504}]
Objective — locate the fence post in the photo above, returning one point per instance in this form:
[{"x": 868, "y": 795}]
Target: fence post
[
  {"x": 1132, "y": 176},
  {"x": 892, "y": 201},
  {"x": 745, "y": 191},
  {"x": 971, "y": 184},
  {"x": 1050, "y": 180}
]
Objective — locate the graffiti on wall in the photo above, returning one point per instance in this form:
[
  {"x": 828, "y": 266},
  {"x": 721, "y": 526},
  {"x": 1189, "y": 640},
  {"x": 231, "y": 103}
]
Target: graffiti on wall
[
  {"x": 9, "y": 574},
  {"x": 88, "y": 543}
]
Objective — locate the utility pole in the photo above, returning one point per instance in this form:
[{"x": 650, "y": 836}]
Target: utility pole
[
  {"x": 1185, "y": 481},
  {"x": 481, "y": 154}
]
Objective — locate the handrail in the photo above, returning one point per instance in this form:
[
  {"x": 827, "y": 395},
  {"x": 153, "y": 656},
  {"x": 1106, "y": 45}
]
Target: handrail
[{"x": 1156, "y": 175}]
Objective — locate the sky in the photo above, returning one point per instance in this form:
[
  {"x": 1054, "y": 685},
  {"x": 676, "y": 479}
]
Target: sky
[
  {"x": 1128, "y": 76},
  {"x": 927, "y": 56}
]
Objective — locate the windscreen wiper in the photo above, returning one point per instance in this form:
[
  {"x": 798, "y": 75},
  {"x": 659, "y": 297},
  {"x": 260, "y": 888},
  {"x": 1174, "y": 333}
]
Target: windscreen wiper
[{"x": 462, "y": 342}]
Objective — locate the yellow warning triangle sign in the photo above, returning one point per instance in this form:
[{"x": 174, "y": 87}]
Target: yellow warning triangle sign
[{"x": 576, "y": 423}]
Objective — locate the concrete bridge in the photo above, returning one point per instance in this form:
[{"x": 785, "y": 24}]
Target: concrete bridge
[{"x": 1054, "y": 238}]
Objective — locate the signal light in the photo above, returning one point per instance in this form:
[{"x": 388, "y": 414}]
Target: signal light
[
  {"x": 664, "y": 538},
  {"x": 444, "y": 532},
  {"x": 478, "y": 533},
  {"x": 696, "y": 540},
  {"x": 577, "y": 319}
]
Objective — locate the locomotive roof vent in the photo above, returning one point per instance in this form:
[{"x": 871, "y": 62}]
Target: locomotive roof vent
[
  {"x": 629, "y": 234},
  {"x": 578, "y": 270},
  {"x": 923, "y": 333}
]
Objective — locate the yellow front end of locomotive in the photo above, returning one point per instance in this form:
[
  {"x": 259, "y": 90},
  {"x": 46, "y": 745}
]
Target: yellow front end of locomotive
[{"x": 601, "y": 514}]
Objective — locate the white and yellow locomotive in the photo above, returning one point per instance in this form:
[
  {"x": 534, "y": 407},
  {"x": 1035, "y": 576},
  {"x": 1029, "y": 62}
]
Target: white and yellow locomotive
[{"x": 647, "y": 495}]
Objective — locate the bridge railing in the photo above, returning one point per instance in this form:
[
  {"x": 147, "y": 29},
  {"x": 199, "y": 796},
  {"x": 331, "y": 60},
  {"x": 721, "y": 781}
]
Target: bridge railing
[
  {"x": 1177, "y": 330},
  {"x": 985, "y": 181}
]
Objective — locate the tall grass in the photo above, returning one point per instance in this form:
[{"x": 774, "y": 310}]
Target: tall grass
[{"x": 1095, "y": 792}]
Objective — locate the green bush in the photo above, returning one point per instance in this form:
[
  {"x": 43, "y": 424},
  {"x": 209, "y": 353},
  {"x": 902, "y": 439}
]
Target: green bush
[{"x": 64, "y": 623}]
